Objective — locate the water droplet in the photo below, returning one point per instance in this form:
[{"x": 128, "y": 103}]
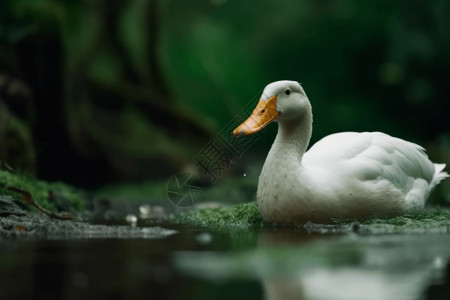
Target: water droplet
[{"x": 245, "y": 174}]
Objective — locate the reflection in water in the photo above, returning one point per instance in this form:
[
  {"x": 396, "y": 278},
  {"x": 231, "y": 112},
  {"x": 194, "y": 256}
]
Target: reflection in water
[
  {"x": 390, "y": 267},
  {"x": 280, "y": 288},
  {"x": 135, "y": 267},
  {"x": 281, "y": 263},
  {"x": 441, "y": 290},
  {"x": 292, "y": 265}
]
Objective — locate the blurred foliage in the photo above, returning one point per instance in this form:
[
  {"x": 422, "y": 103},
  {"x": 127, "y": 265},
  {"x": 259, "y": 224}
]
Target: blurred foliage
[
  {"x": 381, "y": 65},
  {"x": 103, "y": 111},
  {"x": 133, "y": 89},
  {"x": 142, "y": 192},
  {"x": 19, "y": 149}
]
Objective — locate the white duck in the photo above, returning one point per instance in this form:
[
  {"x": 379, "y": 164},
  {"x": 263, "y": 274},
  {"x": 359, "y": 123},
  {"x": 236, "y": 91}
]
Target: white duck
[{"x": 344, "y": 175}]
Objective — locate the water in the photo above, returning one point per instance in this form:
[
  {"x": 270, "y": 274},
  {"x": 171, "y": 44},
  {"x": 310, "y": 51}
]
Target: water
[
  {"x": 185, "y": 262},
  {"x": 94, "y": 268}
]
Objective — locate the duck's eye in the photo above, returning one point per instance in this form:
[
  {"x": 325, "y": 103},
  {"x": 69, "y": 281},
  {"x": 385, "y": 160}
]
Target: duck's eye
[{"x": 288, "y": 91}]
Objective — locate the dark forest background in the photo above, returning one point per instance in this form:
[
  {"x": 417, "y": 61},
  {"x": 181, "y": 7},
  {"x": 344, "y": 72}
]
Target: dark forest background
[{"x": 103, "y": 91}]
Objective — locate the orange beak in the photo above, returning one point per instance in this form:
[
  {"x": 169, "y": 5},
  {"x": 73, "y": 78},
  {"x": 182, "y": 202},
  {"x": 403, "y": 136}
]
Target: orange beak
[{"x": 264, "y": 113}]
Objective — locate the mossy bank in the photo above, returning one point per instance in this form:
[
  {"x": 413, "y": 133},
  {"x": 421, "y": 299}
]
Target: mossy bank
[
  {"x": 56, "y": 196},
  {"x": 246, "y": 216}
]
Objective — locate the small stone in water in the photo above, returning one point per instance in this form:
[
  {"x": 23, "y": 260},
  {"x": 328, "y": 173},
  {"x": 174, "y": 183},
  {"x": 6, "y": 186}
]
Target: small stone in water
[
  {"x": 132, "y": 219},
  {"x": 144, "y": 211},
  {"x": 204, "y": 238}
]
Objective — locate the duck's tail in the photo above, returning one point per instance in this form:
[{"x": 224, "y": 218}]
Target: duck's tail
[
  {"x": 418, "y": 195},
  {"x": 439, "y": 175}
]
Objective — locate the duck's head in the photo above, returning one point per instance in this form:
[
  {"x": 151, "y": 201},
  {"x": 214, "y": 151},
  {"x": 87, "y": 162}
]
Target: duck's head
[{"x": 280, "y": 100}]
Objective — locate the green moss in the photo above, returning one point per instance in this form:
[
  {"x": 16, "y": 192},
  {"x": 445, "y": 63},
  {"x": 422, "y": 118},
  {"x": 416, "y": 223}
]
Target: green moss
[
  {"x": 437, "y": 220},
  {"x": 437, "y": 215},
  {"x": 430, "y": 221},
  {"x": 244, "y": 215},
  {"x": 52, "y": 196},
  {"x": 247, "y": 216}
]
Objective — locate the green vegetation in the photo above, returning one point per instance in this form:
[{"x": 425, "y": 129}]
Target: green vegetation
[
  {"x": 229, "y": 190},
  {"x": 430, "y": 221},
  {"x": 146, "y": 191},
  {"x": 247, "y": 216},
  {"x": 430, "y": 216},
  {"x": 136, "y": 90},
  {"x": 59, "y": 196},
  {"x": 56, "y": 196},
  {"x": 243, "y": 216}
]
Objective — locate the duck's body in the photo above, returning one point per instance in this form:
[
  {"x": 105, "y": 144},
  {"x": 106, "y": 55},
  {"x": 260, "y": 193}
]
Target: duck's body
[{"x": 344, "y": 175}]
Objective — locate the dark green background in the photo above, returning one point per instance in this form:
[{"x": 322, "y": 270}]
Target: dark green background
[{"x": 125, "y": 90}]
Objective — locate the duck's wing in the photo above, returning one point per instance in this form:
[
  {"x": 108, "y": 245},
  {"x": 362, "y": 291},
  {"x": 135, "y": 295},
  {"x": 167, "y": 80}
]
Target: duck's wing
[{"x": 370, "y": 156}]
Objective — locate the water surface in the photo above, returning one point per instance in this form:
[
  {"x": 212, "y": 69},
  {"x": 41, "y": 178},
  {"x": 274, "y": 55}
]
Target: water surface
[{"x": 187, "y": 262}]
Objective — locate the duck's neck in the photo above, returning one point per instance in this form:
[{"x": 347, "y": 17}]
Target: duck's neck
[{"x": 292, "y": 139}]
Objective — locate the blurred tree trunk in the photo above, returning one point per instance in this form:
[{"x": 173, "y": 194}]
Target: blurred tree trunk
[{"x": 103, "y": 108}]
